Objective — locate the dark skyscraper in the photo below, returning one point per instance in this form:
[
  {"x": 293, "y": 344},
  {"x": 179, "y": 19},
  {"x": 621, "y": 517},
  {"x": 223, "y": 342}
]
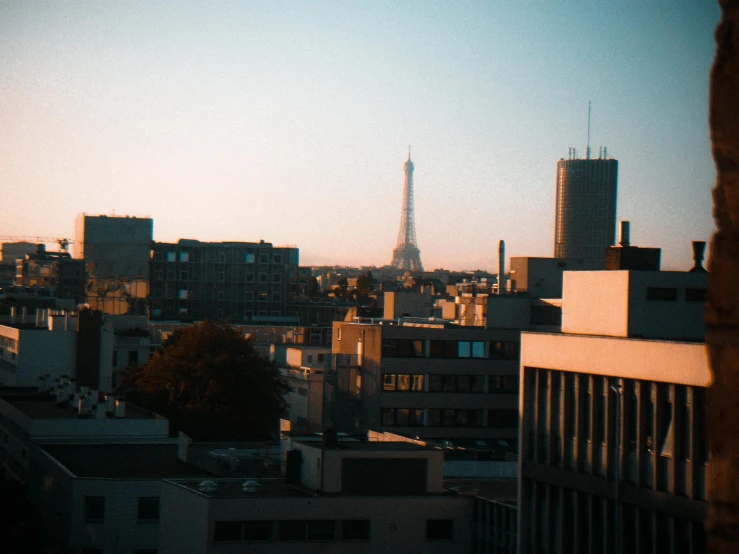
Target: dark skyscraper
[
  {"x": 406, "y": 254},
  {"x": 585, "y": 220}
]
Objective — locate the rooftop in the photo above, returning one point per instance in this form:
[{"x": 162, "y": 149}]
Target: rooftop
[
  {"x": 234, "y": 488},
  {"x": 384, "y": 446},
  {"x": 124, "y": 461},
  {"x": 45, "y": 407}
]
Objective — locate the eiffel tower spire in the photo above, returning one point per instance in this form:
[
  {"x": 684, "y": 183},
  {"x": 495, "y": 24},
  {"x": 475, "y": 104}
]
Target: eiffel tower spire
[{"x": 406, "y": 254}]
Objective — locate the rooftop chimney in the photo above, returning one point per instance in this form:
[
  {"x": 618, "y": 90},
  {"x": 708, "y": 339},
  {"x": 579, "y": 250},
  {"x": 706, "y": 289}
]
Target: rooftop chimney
[
  {"x": 501, "y": 267},
  {"x": 625, "y": 231},
  {"x": 699, "y": 247}
]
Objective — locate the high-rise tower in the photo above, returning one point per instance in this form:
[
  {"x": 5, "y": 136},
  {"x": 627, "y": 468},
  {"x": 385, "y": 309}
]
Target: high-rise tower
[
  {"x": 406, "y": 254},
  {"x": 585, "y": 220}
]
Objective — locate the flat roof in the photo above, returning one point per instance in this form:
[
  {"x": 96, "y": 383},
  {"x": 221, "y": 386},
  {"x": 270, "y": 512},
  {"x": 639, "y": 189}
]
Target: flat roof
[
  {"x": 233, "y": 488},
  {"x": 45, "y": 407},
  {"x": 124, "y": 461},
  {"x": 378, "y": 446}
]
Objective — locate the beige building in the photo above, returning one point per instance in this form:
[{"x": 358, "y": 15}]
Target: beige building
[{"x": 613, "y": 444}]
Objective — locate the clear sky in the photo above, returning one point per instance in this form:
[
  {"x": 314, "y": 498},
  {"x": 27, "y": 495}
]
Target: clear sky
[{"x": 290, "y": 121}]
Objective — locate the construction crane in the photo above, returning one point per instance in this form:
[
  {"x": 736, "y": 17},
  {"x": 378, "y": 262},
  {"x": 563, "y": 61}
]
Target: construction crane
[{"x": 63, "y": 243}]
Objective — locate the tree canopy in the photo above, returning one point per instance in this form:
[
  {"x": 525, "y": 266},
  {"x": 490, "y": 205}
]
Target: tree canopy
[{"x": 211, "y": 383}]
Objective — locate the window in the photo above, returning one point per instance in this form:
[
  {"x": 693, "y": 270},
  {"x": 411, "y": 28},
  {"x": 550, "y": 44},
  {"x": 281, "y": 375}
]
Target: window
[
  {"x": 171, "y": 256},
  {"x": 94, "y": 508},
  {"x": 262, "y": 277},
  {"x": 434, "y": 417},
  {"x": 115, "y": 358},
  {"x": 402, "y": 348},
  {"x": 439, "y": 529},
  {"x": 317, "y": 530},
  {"x": 355, "y": 529},
  {"x": 503, "y": 418},
  {"x": 263, "y": 259},
  {"x": 276, "y": 277},
  {"x": 183, "y": 294},
  {"x": 277, "y": 258},
  {"x": 695, "y": 295},
  {"x": 388, "y": 416},
  {"x": 148, "y": 509},
  {"x": 133, "y": 357},
  {"x": 402, "y": 416},
  {"x": 321, "y": 358},
  {"x": 226, "y": 531},
  {"x": 249, "y": 258},
  {"x": 661, "y": 293},
  {"x": 443, "y": 349},
  {"x": 184, "y": 257},
  {"x": 404, "y": 382},
  {"x": 504, "y": 350}
]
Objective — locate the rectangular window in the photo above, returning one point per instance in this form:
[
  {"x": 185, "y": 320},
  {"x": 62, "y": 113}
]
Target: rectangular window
[
  {"x": 695, "y": 295},
  {"x": 183, "y": 294},
  {"x": 355, "y": 529},
  {"x": 504, "y": 350},
  {"x": 257, "y": 531},
  {"x": 463, "y": 383},
  {"x": 402, "y": 416},
  {"x": 148, "y": 509},
  {"x": 227, "y": 531},
  {"x": 404, "y": 383},
  {"x": 389, "y": 382},
  {"x": 661, "y": 293},
  {"x": 417, "y": 384},
  {"x": 133, "y": 357},
  {"x": 448, "y": 418},
  {"x": 439, "y": 529},
  {"x": 434, "y": 417},
  {"x": 263, "y": 259},
  {"x": 171, "y": 256},
  {"x": 435, "y": 383},
  {"x": 477, "y": 383},
  {"x": 94, "y": 508},
  {"x": 276, "y": 278},
  {"x": 388, "y": 416},
  {"x": 249, "y": 258},
  {"x": 464, "y": 349},
  {"x": 277, "y": 258},
  {"x": 478, "y": 349},
  {"x": 449, "y": 383},
  {"x": 443, "y": 349},
  {"x": 184, "y": 257},
  {"x": 416, "y": 417}
]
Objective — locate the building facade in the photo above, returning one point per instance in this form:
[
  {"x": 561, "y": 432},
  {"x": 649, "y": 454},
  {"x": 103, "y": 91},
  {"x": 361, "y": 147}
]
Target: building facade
[
  {"x": 117, "y": 251},
  {"x": 434, "y": 381},
  {"x": 613, "y": 445},
  {"x": 239, "y": 282},
  {"x": 585, "y": 217}
]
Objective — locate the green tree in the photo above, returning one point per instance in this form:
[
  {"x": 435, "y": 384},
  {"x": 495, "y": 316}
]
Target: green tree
[{"x": 211, "y": 383}]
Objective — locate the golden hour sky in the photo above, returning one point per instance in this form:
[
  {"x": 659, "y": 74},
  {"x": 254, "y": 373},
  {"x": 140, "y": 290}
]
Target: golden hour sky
[{"x": 290, "y": 121}]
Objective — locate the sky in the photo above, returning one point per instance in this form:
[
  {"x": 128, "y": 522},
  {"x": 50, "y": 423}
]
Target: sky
[{"x": 290, "y": 121}]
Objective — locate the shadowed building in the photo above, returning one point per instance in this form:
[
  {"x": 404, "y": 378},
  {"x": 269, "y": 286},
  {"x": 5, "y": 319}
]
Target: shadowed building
[{"x": 585, "y": 217}]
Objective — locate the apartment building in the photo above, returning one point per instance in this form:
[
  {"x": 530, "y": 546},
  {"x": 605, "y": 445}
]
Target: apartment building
[
  {"x": 613, "y": 443},
  {"x": 239, "y": 282},
  {"x": 431, "y": 379}
]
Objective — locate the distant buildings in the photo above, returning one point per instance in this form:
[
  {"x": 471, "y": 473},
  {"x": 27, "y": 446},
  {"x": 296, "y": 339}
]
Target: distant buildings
[
  {"x": 585, "y": 217},
  {"x": 613, "y": 443},
  {"x": 117, "y": 250},
  {"x": 239, "y": 282}
]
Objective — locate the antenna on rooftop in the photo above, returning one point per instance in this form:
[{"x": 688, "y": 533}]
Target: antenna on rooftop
[{"x": 587, "y": 148}]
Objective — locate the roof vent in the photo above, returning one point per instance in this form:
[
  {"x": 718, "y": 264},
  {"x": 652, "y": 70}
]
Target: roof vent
[
  {"x": 250, "y": 486},
  {"x": 207, "y": 486}
]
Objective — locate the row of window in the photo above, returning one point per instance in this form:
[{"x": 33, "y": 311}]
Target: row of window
[
  {"x": 670, "y": 294},
  {"x": 446, "y": 417},
  {"x": 184, "y": 257},
  {"x": 147, "y": 509},
  {"x": 401, "y": 382},
  {"x": 314, "y": 530},
  {"x": 221, "y": 276},
  {"x": 184, "y": 294},
  {"x": 409, "y": 348}
]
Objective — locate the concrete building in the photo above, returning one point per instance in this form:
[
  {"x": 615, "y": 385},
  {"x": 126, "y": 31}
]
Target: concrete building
[
  {"x": 117, "y": 251},
  {"x": 585, "y": 217},
  {"x": 242, "y": 282},
  {"x": 303, "y": 367},
  {"x": 345, "y": 497},
  {"x": 11, "y": 251},
  {"x": 37, "y": 350},
  {"x": 613, "y": 443},
  {"x": 57, "y": 272},
  {"x": 434, "y": 380}
]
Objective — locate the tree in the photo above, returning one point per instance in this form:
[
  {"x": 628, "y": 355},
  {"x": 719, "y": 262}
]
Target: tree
[
  {"x": 211, "y": 383},
  {"x": 365, "y": 283}
]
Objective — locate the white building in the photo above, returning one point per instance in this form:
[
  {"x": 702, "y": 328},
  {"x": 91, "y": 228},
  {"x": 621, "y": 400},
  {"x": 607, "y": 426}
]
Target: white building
[
  {"x": 351, "y": 497},
  {"x": 613, "y": 446}
]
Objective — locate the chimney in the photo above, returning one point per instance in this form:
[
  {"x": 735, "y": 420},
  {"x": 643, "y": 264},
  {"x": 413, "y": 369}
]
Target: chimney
[
  {"x": 699, "y": 247},
  {"x": 625, "y": 232},
  {"x": 501, "y": 267}
]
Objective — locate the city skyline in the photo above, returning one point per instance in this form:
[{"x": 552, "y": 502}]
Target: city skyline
[{"x": 290, "y": 122}]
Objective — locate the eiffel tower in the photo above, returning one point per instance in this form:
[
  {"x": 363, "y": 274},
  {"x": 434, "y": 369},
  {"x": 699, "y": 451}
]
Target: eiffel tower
[{"x": 406, "y": 254}]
